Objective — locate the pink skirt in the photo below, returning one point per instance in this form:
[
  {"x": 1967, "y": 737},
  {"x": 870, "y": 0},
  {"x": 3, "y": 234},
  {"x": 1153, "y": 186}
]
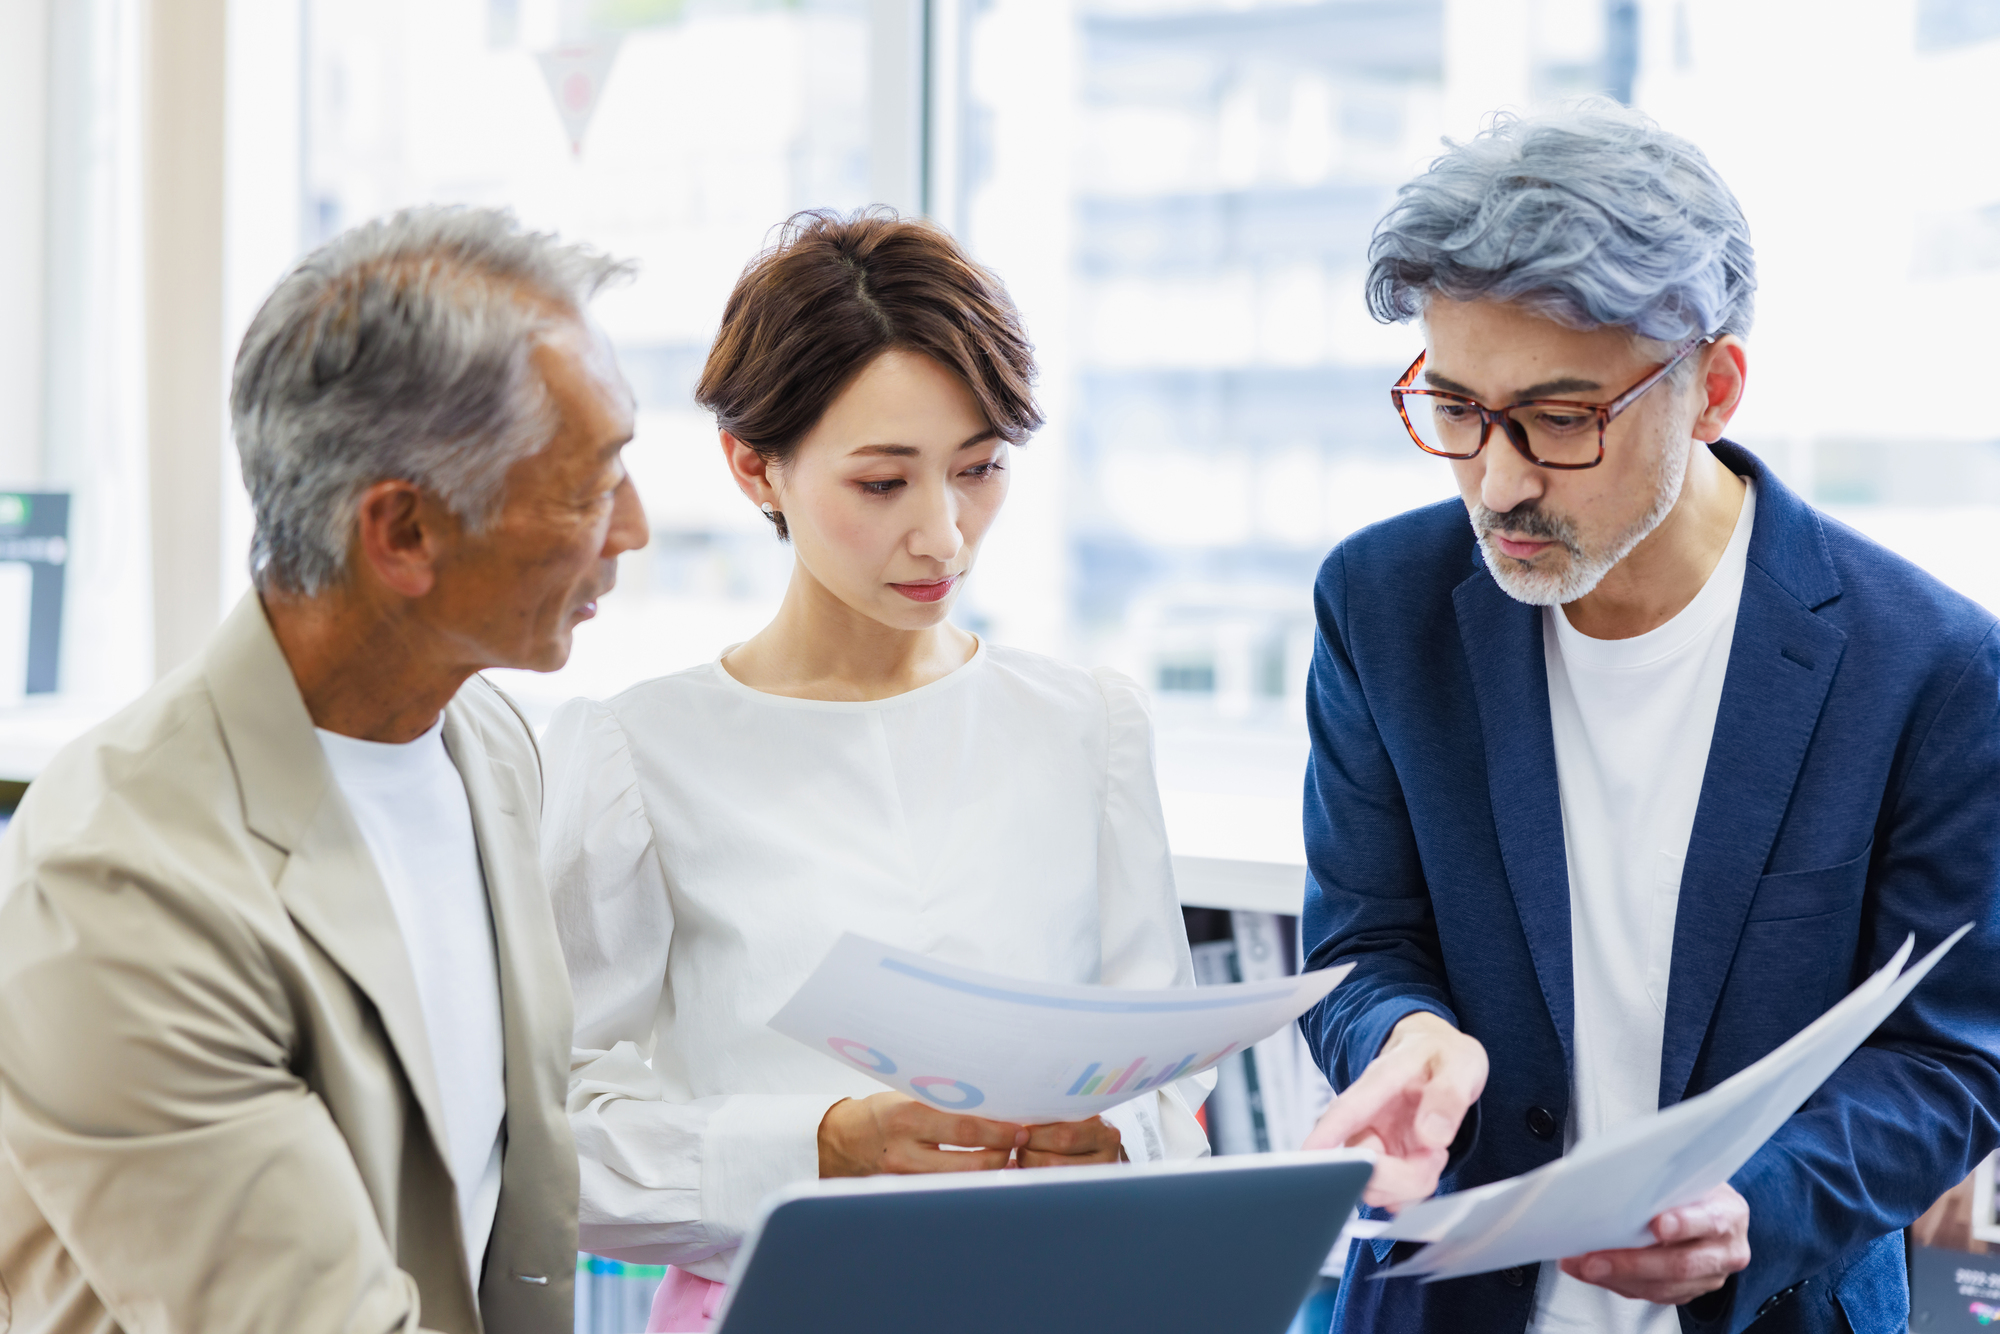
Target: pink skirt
[{"x": 684, "y": 1302}]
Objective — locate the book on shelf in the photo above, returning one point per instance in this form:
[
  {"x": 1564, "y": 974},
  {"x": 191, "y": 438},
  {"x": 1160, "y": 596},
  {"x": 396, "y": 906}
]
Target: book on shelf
[
  {"x": 1267, "y": 1098},
  {"x": 613, "y": 1297},
  {"x": 1236, "y": 1108}
]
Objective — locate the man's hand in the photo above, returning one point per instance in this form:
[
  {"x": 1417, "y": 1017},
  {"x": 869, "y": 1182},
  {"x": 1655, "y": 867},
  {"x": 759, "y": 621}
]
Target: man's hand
[
  {"x": 1697, "y": 1247},
  {"x": 1407, "y": 1106},
  {"x": 1071, "y": 1144},
  {"x": 893, "y": 1132}
]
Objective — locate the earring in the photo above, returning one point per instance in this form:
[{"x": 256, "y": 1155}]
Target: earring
[{"x": 766, "y": 507}]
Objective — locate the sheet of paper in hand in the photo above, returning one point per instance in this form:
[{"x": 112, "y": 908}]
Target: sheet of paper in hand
[
  {"x": 1605, "y": 1192},
  {"x": 1030, "y": 1052}
]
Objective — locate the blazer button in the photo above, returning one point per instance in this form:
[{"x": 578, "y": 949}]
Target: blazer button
[
  {"x": 1541, "y": 1123},
  {"x": 1514, "y": 1277}
]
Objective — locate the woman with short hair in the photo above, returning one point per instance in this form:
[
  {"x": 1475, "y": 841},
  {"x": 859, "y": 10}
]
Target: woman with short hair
[{"x": 861, "y": 764}]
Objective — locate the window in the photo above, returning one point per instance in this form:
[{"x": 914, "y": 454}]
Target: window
[
  {"x": 1181, "y": 193},
  {"x": 1178, "y": 192},
  {"x": 677, "y": 135}
]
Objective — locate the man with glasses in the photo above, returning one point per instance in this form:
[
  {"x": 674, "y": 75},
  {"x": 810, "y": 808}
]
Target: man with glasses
[{"x": 1622, "y": 784}]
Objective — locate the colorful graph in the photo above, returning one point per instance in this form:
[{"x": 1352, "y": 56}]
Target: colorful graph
[
  {"x": 863, "y": 1055},
  {"x": 1985, "y": 1314},
  {"x": 954, "y": 1094},
  {"x": 1120, "y": 1078}
]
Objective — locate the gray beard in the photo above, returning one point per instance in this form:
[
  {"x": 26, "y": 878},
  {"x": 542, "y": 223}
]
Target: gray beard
[{"x": 1584, "y": 570}]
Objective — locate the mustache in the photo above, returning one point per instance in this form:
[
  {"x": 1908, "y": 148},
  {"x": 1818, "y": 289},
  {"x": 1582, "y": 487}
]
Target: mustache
[{"x": 1527, "y": 520}]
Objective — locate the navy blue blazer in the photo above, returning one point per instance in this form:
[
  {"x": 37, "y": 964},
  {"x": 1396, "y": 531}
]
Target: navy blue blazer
[{"x": 1852, "y": 797}]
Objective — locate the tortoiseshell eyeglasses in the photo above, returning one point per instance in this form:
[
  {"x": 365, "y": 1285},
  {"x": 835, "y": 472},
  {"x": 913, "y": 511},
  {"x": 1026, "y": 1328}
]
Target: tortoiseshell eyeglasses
[{"x": 1549, "y": 432}]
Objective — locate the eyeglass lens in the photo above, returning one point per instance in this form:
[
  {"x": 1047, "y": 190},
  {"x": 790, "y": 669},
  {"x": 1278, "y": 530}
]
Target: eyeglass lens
[{"x": 1555, "y": 432}]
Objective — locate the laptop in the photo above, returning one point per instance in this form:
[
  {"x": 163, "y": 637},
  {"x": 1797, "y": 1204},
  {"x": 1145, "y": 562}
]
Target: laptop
[{"x": 1215, "y": 1246}]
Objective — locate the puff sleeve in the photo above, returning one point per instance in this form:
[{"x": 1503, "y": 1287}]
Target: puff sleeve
[{"x": 663, "y": 1180}]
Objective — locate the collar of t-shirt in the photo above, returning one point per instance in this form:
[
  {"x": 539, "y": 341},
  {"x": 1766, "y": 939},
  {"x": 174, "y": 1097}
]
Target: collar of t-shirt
[{"x": 1718, "y": 597}]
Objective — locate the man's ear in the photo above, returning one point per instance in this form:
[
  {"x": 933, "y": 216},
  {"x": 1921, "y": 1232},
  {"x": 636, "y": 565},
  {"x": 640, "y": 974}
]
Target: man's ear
[
  {"x": 398, "y": 537},
  {"x": 1724, "y": 368},
  {"x": 751, "y": 471}
]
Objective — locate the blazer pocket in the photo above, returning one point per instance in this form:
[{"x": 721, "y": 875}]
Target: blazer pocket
[
  {"x": 1800, "y": 941},
  {"x": 1801, "y": 894}
]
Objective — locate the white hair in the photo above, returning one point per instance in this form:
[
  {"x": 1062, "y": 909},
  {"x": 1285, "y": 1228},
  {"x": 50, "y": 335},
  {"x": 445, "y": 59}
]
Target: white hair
[
  {"x": 398, "y": 350},
  {"x": 1590, "y": 216}
]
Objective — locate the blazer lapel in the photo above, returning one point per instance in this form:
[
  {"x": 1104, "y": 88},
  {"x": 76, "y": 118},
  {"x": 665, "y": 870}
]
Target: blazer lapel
[
  {"x": 1503, "y": 649},
  {"x": 538, "y": 1186},
  {"x": 1781, "y": 664},
  {"x": 329, "y": 884},
  {"x": 335, "y": 895},
  {"x": 534, "y": 1013}
]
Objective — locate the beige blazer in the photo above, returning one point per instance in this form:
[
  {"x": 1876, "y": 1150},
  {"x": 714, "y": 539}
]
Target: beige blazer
[{"x": 217, "y": 1105}]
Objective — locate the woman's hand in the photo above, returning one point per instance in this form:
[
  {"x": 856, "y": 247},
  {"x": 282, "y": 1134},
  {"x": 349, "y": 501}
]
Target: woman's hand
[
  {"x": 1071, "y": 1144},
  {"x": 893, "y": 1132}
]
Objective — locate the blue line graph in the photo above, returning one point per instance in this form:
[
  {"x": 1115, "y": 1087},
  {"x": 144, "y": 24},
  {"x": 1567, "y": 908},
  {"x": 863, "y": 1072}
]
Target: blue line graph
[{"x": 1195, "y": 1002}]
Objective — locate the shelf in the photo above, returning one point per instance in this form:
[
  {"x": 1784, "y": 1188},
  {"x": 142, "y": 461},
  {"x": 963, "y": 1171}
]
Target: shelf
[{"x": 1221, "y": 882}]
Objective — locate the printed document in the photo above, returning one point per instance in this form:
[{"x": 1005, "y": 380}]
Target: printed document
[
  {"x": 1030, "y": 1052},
  {"x": 1604, "y": 1193}
]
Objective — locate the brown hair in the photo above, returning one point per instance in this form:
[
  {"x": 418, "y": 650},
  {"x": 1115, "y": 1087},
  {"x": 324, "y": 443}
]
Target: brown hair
[{"x": 809, "y": 315}]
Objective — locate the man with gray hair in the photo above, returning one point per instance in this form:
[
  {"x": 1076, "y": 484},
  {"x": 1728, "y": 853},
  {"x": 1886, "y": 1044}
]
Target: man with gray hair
[
  {"x": 1621, "y": 784},
  {"x": 284, "y": 1028}
]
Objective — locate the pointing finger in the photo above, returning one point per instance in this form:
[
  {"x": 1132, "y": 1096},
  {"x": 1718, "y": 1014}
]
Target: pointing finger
[
  {"x": 1400, "y": 1182},
  {"x": 1442, "y": 1107},
  {"x": 1360, "y": 1103}
]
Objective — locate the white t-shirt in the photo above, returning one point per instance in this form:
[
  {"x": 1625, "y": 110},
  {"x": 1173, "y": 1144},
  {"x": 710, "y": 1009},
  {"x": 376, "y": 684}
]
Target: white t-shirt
[
  {"x": 410, "y": 803},
  {"x": 1633, "y": 719}
]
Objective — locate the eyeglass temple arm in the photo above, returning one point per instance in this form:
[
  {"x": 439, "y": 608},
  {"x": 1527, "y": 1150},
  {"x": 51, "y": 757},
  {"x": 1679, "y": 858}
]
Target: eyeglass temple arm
[{"x": 1630, "y": 396}]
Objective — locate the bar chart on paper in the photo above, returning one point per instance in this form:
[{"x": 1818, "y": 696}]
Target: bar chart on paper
[{"x": 1118, "y": 1079}]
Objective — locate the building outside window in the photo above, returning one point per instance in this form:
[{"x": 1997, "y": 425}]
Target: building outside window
[
  {"x": 676, "y": 135},
  {"x": 1225, "y": 410},
  {"x": 1178, "y": 192}
]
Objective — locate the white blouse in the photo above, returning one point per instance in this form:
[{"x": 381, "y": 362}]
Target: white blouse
[{"x": 706, "y": 843}]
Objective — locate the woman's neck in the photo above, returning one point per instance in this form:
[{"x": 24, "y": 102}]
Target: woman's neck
[{"x": 818, "y": 647}]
